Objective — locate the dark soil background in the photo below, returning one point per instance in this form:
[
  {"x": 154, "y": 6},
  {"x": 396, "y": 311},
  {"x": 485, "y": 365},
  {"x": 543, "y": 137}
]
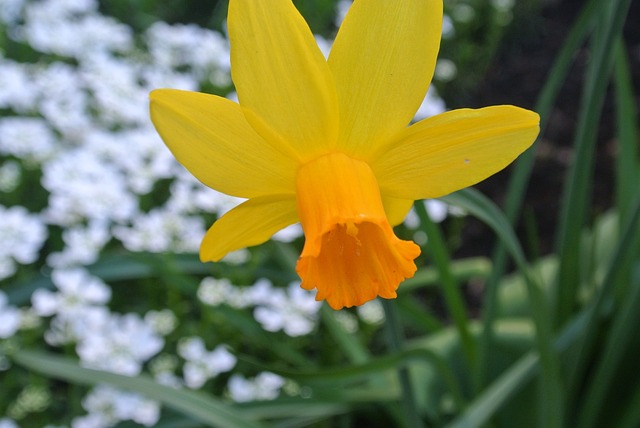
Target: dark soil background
[{"x": 516, "y": 77}]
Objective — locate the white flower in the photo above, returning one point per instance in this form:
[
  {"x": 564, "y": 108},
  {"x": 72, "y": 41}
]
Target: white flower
[
  {"x": 77, "y": 289},
  {"x": 342, "y": 6},
  {"x": 28, "y": 138},
  {"x": 8, "y": 423},
  {"x": 9, "y": 319},
  {"x": 437, "y": 210},
  {"x": 431, "y": 105},
  {"x": 21, "y": 234},
  {"x": 82, "y": 245},
  {"x": 83, "y": 187},
  {"x": 371, "y": 312},
  {"x": 163, "y": 322},
  {"x": 214, "y": 291},
  {"x": 289, "y": 233},
  {"x": 63, "y": 100},
  {"x": 265, "y": 386},
  {"x": 294, "y": 311},
  {"x": 16, "y": 87},
  {"x": 120, "y": 345},
  {"x": 108, "y": 406},
  {"x": 162, "y": 230},
  {"x": 10, "y": 176},
  {"x": 176, "y": 46},
  {"x": 120, "y": 99},
  {"x": 53, "y": 26},
  {"x": 201, "y": 364}
]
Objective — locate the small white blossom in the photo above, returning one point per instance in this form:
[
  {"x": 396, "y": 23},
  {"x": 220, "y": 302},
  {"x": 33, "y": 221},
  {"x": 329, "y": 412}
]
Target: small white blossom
[
  {"x": 201, "y": 364},
  {"x": 64, "y": 102},
  {"x": 77, "y": 289},
  {"x": 214, "y": 291},
  {"x": 9, "y": 318},
  {"x": 52, "y": 26},
  {"x": 163, "y": 322},
  {"x": 107, "y": 406},
  {"x": 82, "y": 245},
  {"x": 162, "y": 230},
  {"x": 21, "y": 234},
  {"x": 28, "y": 138},
  {"x": 82, "y": 187},
  {"x": 265, "y": 386},
  {"x": 431, "y": 105},
  {"x": 289, "y": 233},
  {"x": 294, "y": 311},
  {"x": 8, "y": 423},
  {"x": 120, "y": 345},
  {"x": 176, "y": 46},
  {"x": 342, "y": 7},
  {"x": 436, "y": 209},
  {"x": 16, "y": 87},
  {"x": 10, "y": 175},
  {"x": 371, "y": 312}
]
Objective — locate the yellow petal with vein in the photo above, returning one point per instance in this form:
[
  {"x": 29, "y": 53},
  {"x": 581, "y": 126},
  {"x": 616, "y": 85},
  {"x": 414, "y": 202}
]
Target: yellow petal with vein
[
  {"x": 453, "y": 150},
  {"x": 280, "y": 73},
  {"x": 210, "y": 136},
  {"x": 250, "y": 223},
  {"x": 382, "y": 61}
]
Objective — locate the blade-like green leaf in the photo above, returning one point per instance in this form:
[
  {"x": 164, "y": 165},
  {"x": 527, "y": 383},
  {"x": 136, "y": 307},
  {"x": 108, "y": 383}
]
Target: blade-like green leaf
[
  {"x": 575, "y": 201},
  {"x": 522, "y": 172},
  {"x": 481, "y": 207},
  {"x": 196, "y": 405},
  {"x": 450, "y": 289}
]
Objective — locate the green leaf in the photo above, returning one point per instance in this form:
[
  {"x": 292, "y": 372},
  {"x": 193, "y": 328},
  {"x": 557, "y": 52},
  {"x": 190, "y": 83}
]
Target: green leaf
[
  {"x": 575, "y": 201},
  {"x": 196, "y": 405},
  {"x": 481, "y": 207}
]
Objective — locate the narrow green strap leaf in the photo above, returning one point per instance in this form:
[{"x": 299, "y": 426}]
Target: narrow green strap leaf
[
  {"x": 395, "y": 339},
  {"x": 348, "y": 343},
  {"x": 451, "y": 291},
  {"x": 621, "y": 255},
  {"x": 481, "y": 207},
  {"x": 196, "y": 405},
  {"x": 575, "y": 201},
  {"x": 615, "y": 348},
  {"x": 505, "y": 387},
  {"x": 461, "y": 270},
  {"x": 628, "y": 158},
  {"x": 522, "y": 173}
]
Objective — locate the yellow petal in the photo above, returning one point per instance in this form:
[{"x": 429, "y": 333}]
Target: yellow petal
[
  {"x": 351, "y": 254},
  {"x": 382, "y": 61},
  {"x": 250, "y": 223},
  {"x": 280, "y": 73},
  {"x": 453, "y": 150},
  {"x": 210, "y": 136},
  {"x": 396, "y": 209}
]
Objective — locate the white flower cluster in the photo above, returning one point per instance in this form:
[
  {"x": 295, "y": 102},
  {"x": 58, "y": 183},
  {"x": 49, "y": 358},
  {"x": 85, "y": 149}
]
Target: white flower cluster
[
  {"x": 82, "y": 118},
  {"x": 9, "y": 318},
  {"x": 107, "y": 406},
  {"x": 104, "y": 340},
  {"x": 202, "y": 365},
  {"x": 21, "y": 234},
  {"x": 265, "y": 386},
  {"x": 294, "y": 310}
]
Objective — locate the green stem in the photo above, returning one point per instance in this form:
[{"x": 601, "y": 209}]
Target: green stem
[
  {"x": 395, "y": 337},
  {"x": 450, "y": 289}
]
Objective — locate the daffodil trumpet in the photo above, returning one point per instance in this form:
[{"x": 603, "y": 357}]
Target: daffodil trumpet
[{"x": 328, "y": 142}]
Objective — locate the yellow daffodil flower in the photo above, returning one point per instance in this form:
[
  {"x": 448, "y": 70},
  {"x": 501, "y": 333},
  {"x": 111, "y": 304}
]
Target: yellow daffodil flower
[{"x": 326, "y": 142}]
